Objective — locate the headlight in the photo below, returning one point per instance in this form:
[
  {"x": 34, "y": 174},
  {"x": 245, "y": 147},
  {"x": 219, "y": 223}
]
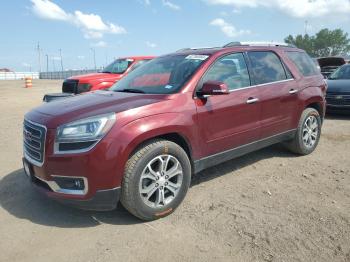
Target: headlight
[
  {"x": 82, "y": 135},
  {"x": 83, "y": 88}
]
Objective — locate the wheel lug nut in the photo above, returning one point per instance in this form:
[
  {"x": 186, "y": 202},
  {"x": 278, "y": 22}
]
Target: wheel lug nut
[
  {"x": 166, "y": 183},
  {"x": 161, "y": 187},
  {"x": 166, "y": 177},
  {"x": 157, "y": 185}
]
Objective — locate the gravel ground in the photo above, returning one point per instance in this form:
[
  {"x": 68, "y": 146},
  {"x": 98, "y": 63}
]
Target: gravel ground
[{"x": 266, "y": 206}]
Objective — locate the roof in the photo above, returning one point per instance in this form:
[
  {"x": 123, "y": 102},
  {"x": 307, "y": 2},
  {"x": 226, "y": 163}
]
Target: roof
[
  {"x": 137, "y": 57},
  {"x": 236, "y": 46}
]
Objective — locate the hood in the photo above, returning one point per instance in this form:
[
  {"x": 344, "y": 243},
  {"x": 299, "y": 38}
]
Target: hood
[
  {"x": 95, "y": 103},
  {"x": 338, "y": 86},
  {"x": 97, "y": 77},
  {"x": 331, "y": 61}
]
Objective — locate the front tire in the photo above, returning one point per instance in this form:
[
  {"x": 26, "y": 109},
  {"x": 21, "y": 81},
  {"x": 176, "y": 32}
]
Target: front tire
[
  {"x": 308, "y": 133},
  {"x": 156, "y": 179}
]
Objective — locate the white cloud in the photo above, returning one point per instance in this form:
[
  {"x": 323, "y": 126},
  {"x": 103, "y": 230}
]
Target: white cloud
[
  {"x": 92, "y": 25},
  {"x": 99, "y": 44},
  {"x": 48, "y": 10},
  {"x": 227, "y": 28},
  {"x": 151, "y": 45},
  {"x": 171, "y": 5},
  {"x": 295, "y": 8}
]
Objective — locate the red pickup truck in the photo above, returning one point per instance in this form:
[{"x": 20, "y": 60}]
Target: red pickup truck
[{"x": 105, "y": 79}]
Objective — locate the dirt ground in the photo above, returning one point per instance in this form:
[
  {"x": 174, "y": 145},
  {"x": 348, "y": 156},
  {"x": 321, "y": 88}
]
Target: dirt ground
[{"x": 266, "y": 206}]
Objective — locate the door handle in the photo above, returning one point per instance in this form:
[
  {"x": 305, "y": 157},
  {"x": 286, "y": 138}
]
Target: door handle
[
  {"x": 252, "y": 100},
  {"x": 293, "y": 91}
]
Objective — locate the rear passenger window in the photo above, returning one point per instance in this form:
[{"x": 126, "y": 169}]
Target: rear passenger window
[
  {"x": 266, "y": 67},
  {"x": 231, "y": 70},
  {"x": 303, "y": 62}
]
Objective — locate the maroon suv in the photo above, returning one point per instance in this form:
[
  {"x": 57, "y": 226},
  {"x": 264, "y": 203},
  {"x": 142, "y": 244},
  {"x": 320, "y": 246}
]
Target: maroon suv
[{"x": 141, "y": 141}]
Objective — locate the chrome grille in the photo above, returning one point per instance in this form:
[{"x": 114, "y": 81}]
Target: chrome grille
[
  {"x": 34, "y": 142},
  {"x": 338, "y": 99}
]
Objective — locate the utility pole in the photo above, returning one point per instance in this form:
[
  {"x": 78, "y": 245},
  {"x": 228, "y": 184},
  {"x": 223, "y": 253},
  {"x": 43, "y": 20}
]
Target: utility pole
[
  {"x": 39, "y": 56},
  {"x": 306, "y": 26},
  {"x": 61, "y": 59},
  {"x": 47, "y": 63},
  {"x": 94, "y": 56}
]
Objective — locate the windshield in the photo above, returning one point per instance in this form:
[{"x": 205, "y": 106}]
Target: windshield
[
  {"x": 341, "y": 73},
  {"x": 164, "y": 75},
  {"x": 119, "y": 66}
]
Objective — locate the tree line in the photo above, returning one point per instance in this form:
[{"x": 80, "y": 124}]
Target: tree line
[{"x": 324, "y": 43}]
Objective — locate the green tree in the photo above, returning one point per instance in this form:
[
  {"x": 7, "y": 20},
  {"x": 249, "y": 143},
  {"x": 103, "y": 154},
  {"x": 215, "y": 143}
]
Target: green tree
[{"x": 325, "y": 43}]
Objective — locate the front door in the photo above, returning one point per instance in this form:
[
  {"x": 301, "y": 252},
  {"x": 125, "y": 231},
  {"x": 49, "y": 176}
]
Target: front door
[{"x": 229, "y": 121}]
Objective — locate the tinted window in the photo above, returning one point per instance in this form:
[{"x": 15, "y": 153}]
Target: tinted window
[
  {"x": 231, "y": 70},
  {"x": 304, "y": 63},
  {"x": 162, "y": 75},
  {"x": 119, "y": 66},
  {"x": 267, "y": 67},
  {"x": 138, "y": 63},
  {"x": 341, "y": 73}
]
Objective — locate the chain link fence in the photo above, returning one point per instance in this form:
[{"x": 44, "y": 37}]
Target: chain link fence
[{"x": 65, "y": 74}]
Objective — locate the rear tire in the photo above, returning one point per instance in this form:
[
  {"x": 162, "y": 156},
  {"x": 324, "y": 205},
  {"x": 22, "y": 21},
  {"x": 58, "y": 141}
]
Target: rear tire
[
  {"x": 307, "y": 134},
  {"x": 156, "y": 179}
]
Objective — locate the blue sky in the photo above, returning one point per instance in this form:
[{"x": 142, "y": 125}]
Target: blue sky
[{"x": 149, "y": 27}]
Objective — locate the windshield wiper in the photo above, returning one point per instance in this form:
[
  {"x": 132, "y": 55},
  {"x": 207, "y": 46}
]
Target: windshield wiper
[
  {"x": 107, "y": 72},
  {"x": 131, "y": 90}
]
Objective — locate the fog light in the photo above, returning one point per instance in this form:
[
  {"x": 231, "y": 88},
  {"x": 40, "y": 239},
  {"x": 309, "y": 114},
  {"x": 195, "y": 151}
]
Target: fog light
[{"x": 70, "y": 183}]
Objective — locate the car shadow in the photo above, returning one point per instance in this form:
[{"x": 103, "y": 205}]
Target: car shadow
[
  {"x": 21, "y": 200},
  {"x": 230, "y": 166}
]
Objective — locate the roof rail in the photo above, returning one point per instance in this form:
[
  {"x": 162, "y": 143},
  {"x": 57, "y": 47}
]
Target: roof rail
[
  {"x": 193, "y": 48},
  {"x": 231, "y": 44}
]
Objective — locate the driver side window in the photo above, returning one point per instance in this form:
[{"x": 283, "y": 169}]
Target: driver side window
[{"x": 231, "y": 70}]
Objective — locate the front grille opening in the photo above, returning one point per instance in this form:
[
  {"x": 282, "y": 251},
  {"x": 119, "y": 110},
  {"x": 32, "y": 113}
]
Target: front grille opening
[
  {"x": 70, "y": 86},
  {"x": 34, "y": 141}
]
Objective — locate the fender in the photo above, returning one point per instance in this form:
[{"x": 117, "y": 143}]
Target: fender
[{"x": 149, "y": 127}]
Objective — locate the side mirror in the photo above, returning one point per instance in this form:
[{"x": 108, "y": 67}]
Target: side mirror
[{"x": 211, "y": 88}]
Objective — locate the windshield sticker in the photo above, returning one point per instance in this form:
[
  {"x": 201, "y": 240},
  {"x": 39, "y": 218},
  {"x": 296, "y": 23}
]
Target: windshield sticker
[
  {"x": 197, "y": 57},
  {"x": 168, "y": 87}
]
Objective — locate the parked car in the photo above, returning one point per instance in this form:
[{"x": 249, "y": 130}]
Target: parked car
[
  {"x": 141, "y": 141},
  {"x": 329, "y": 64},
  {"x": 98, "y": 81},
  {"x": 338, "y": 92},
  {"x": 105, "y": 79}
]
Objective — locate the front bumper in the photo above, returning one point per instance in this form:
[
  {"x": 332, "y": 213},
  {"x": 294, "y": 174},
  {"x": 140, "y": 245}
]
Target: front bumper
[{"x": 101, "y": 200}]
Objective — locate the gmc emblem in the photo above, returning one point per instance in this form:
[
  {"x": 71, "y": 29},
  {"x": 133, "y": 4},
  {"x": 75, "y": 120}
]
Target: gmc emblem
[{"x": 27, "y": 135}]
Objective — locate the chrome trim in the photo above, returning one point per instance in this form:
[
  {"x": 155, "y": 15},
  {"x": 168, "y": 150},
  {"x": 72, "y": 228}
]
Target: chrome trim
[
  {"x": 57, "y": 189},
  {"x": 252, "y": 100},
  {"x": 251, "y": 143},
  {"x": 293, "y": 91},
  {"x": 247, "y": 87},
  {"x": 56, "y": 150},
  {"x": 30, "y": 159}
]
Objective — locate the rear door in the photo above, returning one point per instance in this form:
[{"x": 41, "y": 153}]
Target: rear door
[
  {"x": 278, "y": 92},
  {"x": 229, "y": 121}
]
